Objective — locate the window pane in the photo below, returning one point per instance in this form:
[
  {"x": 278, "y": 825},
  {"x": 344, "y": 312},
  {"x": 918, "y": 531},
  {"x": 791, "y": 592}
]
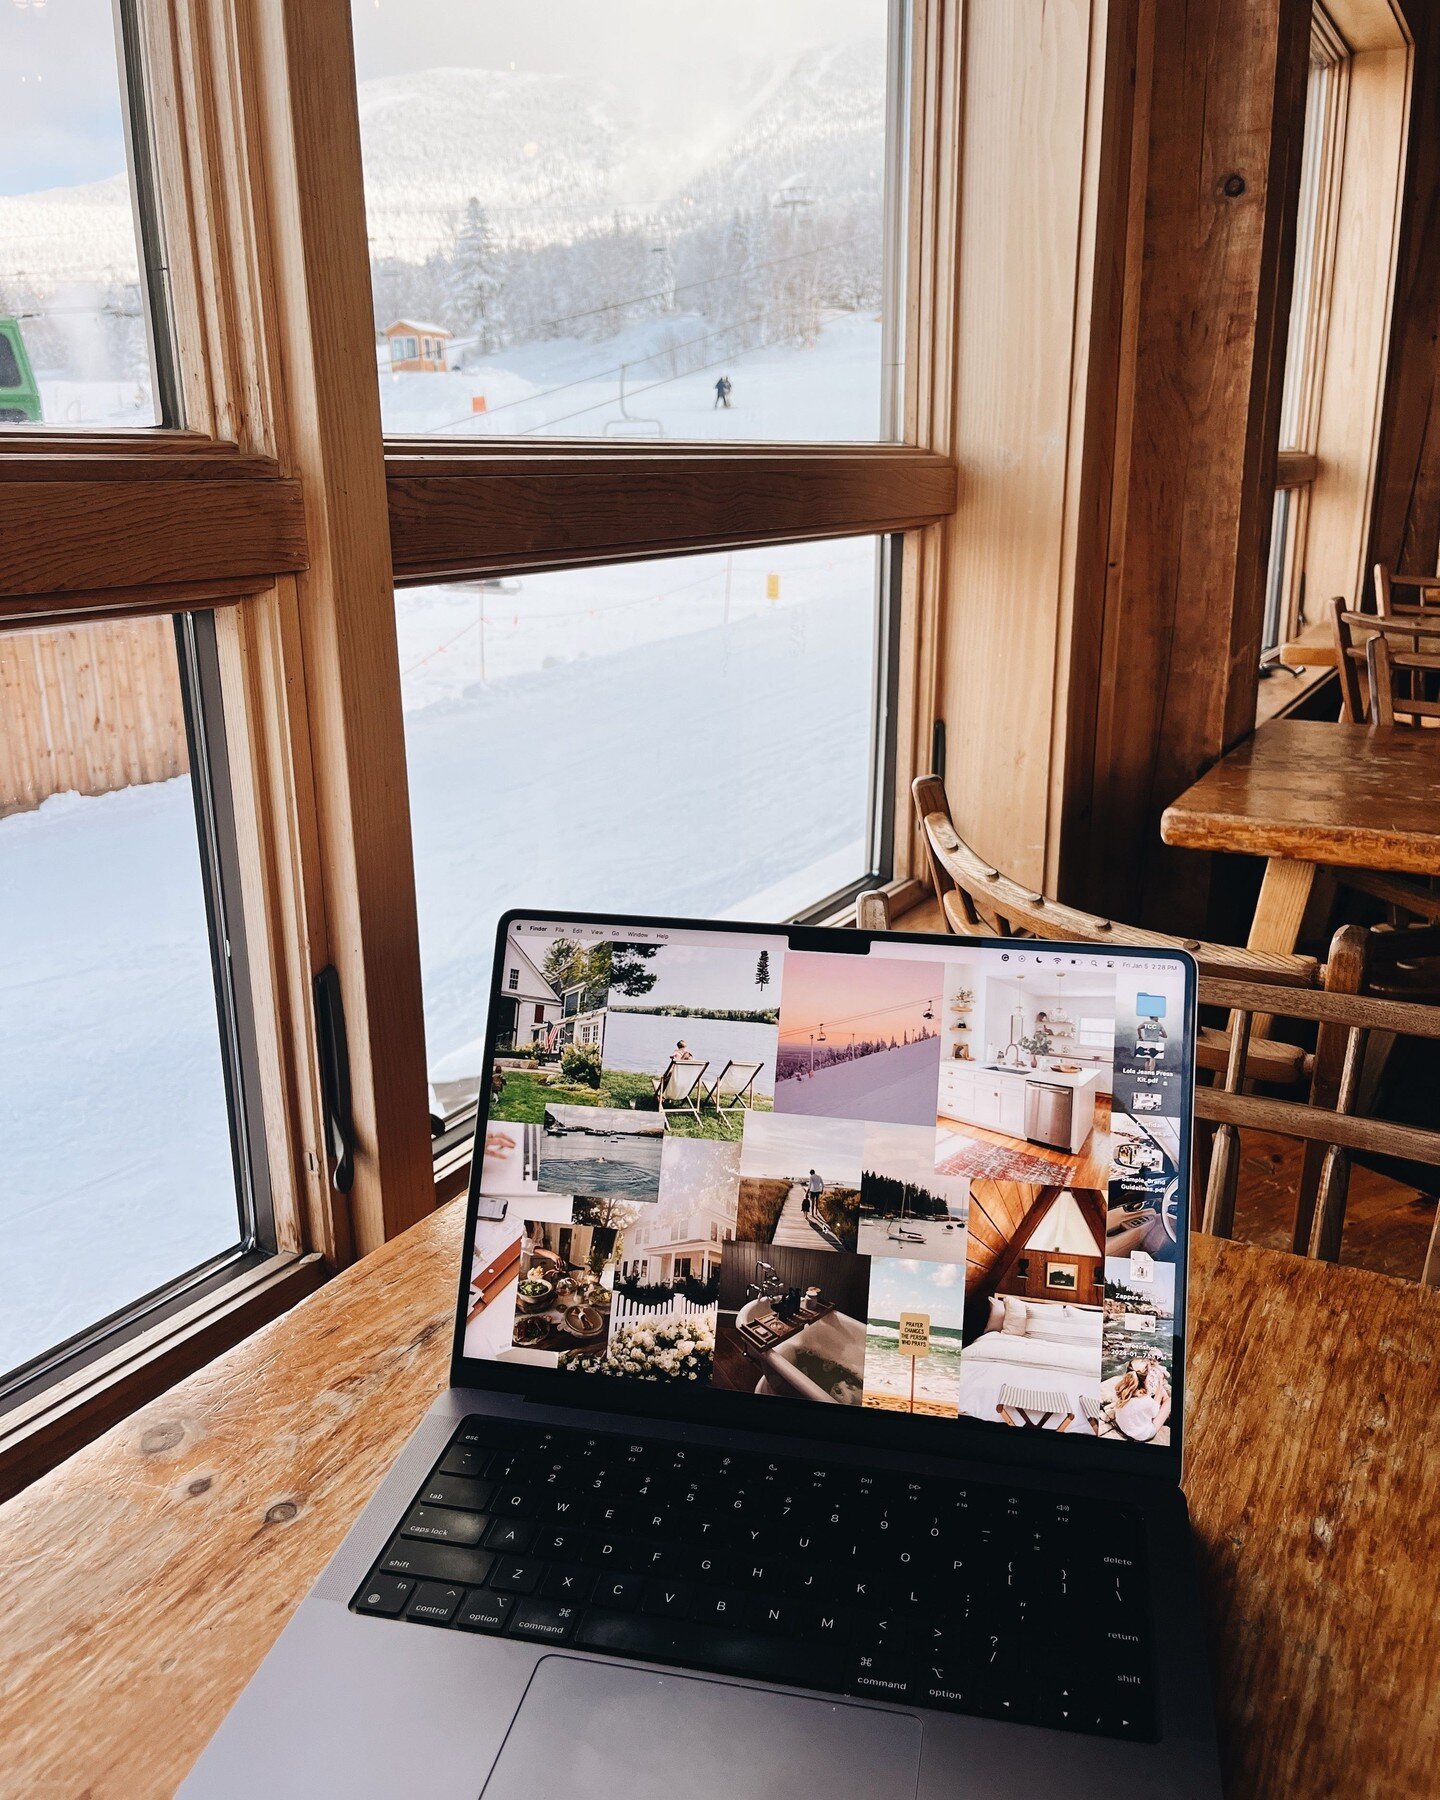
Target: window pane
[
  {"x": 631, "y": 219},
  {"x": 74, "y": 340},
  {"x": 692, "y": 736},
  {"x": 114, "y": 1128}
]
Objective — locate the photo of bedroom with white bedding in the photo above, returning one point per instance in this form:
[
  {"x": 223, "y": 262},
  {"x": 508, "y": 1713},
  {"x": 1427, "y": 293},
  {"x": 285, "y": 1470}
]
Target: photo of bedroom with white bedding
[{"x": 1034, "y": 1307}]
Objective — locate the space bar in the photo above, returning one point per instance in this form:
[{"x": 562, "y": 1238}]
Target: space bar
[{"x": 711, "y": 1647}]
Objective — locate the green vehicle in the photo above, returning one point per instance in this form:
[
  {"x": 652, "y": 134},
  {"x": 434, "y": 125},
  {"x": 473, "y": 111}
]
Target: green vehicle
[{"x": 19, "y": 396}]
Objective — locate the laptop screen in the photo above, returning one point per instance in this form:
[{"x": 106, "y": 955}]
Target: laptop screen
[{"x": 937, "y": 1178}]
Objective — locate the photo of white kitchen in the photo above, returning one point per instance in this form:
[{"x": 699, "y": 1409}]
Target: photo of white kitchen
[{"x": 1026, "y": 1073}]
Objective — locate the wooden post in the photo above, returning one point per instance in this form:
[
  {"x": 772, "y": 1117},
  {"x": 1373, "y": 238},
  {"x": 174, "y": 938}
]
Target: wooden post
[{"x": 1214, "y": 179}]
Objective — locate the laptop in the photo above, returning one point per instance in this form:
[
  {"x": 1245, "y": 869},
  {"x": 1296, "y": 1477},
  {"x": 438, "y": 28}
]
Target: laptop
[{"x": 816, "y": 1408}]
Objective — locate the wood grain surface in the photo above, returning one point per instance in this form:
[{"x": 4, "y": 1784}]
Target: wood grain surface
[
  {"x": 1316, "y": 792},
  {"x": 143, "y": 1581},
  {"x": 85, "y": 536},
  {"x": 452, "y": 515}
]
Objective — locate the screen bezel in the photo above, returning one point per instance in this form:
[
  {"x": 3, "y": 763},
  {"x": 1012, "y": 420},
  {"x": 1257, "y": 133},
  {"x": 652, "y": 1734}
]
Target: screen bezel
[{"x": 971, "y": 1440}]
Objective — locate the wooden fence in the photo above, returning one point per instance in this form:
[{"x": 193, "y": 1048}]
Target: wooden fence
[{"x": 88, "y": 709}]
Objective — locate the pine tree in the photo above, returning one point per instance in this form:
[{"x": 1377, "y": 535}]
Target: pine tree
[
  {"x": 476, "y": 284},
  {"x": 762, "y": 971}
]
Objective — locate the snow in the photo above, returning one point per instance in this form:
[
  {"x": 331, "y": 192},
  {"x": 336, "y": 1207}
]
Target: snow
[
  {"x": 663, "y": 737},
  {"x": 624, "y": 748},
  {"x": 115, "y": 1169},
  {"x": 568, "y": 388},
  {"x": 899, "y": 1086},
  {"x": 628, "y": 750}
]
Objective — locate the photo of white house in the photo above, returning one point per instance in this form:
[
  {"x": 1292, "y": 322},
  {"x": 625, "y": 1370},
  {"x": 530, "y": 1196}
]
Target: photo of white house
[
  {"x": 684, "y": 1233},
  {"x": 527, "y": 1006}
]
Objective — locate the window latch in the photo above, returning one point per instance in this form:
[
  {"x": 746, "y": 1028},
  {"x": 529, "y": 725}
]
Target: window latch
[{"x": 334, "y": 1053}]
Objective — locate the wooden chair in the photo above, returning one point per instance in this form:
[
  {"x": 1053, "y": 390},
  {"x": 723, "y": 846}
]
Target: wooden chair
[
  {"x": 1332, "y": 1125},
  {"x": 1388, "y": 708},
  {"x": 978, "y": 901},
  {"x": 1352, "y": 631},
  {"x": 1425, "y": 588},
  {"x": 680, "y": 1088},
  {"x": 872, "y": 910}
]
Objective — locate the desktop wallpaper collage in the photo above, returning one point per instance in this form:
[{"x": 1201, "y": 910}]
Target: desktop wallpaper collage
[{"x": 934, "y": 1179}]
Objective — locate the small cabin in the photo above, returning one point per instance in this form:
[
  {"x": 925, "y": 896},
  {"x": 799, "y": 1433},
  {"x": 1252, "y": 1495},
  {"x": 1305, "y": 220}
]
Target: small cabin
[{"x": 417, "y": 347}]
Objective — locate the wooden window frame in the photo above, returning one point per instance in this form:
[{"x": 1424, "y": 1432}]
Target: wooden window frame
[
  {"x": 276, "y": 504},
  {"x": 1330, "y": 469}
]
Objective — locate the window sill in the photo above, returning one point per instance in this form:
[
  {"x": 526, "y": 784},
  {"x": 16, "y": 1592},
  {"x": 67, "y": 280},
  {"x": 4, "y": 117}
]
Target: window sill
[{"x": 42, "y": 1431}]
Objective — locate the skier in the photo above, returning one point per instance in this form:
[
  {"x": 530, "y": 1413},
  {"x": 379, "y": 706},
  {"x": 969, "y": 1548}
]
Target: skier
[{"x": 722, "y": 393}]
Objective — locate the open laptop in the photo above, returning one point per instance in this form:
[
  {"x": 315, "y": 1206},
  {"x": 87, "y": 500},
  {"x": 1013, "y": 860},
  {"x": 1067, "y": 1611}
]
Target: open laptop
[{"x": 815, "y": 1417}]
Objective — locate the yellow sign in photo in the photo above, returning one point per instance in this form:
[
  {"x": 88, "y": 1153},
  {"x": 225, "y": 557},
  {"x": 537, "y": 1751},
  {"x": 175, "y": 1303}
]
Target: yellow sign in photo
[{"x": 914, "y": 1334}]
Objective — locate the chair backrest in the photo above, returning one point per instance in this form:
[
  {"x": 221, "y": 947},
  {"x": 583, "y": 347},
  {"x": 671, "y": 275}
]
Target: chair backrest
[
  {"x": 680, "y": 1079},
  {"x": 978, "y": 901},
  {"x": 1330, "y": 1125},
  {"x": 1420, "y": 592},
  {"x": 1351, "y": 632},
  {"x": 735, "y": 1077},
  {"x": 872, "y": 910},
  {"x": 1387, "y": 668}
]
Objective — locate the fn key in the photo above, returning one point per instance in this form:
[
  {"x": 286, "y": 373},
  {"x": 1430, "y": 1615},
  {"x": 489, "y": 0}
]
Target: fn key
[{"x": 384, "y": 1594}]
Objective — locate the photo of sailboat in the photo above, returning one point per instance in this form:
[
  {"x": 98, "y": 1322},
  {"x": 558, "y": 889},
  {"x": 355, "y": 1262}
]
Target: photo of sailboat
[{"x": 906, "y": 1208}]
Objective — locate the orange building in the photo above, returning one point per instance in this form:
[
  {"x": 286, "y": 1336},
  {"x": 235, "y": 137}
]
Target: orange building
[{"x": 416, "y": 346}]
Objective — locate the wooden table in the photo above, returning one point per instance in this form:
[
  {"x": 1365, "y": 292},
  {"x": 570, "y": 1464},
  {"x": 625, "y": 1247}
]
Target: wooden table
[
  {"x": 1305, "y": 793},
  {"x": 141, "y": 1582}
]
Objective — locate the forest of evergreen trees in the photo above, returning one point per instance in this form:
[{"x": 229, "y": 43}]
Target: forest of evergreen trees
[
  {"x": 885, "y": 1197},
  {"x": 765, "y": 275}
]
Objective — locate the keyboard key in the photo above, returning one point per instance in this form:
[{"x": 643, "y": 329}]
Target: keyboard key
[
  {"x": 515, "y": 1502},
  {"x": 434, "y": 1603},
  {"x": 667, "y": 1599},
  {"x": 619, "y": 1590},
  {"x": 442, "y": 1526},
  {"x": 952, "y": 1687},
  {"x": 437, "y": 1562},
  {"x": 550, "y": 1621},
  {"x": 728, "y": 1652},
  {"x": 384, "y": 1594},
  {"x": 570, "y": 1584},
  {"x": 882, "y": 1677},
  {"x": 516, "y": 1575},
  {"x": 456, "y": 1490},
  {"x": 464, "y": 1460},
  {"x": 510, "y": 1534},
  {"x": 720, "y": 1606},
  {"x": 485, "y": 1612},
  {"x": 568, "y": 1545}
]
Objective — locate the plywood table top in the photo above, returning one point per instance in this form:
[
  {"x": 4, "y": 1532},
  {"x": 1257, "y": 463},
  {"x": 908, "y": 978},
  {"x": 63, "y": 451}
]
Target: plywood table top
[
  {"x": 1316, "y": 792},
  {"x": 142, "y": 1581}
]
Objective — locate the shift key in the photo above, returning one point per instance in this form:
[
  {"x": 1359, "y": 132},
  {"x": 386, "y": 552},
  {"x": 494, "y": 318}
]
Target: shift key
[{"x": 442, "y": 1526}]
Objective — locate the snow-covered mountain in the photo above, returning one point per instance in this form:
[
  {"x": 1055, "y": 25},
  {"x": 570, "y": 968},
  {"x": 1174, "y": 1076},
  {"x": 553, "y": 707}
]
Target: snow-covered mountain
[{"x": 550, "y": 156}]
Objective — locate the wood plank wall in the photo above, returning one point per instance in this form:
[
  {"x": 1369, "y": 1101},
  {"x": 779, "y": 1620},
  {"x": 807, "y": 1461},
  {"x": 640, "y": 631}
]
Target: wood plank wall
[
  {"x": 1406, "y": 526},
  {"x": 88, "y": 709},
  {"x": 1219, "y": 112}
]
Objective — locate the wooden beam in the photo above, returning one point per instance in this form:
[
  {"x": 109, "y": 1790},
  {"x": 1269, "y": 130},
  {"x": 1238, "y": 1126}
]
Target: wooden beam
[
  {"x": 1405, "y": 528},
  {"x": 1295, "y": 468},
  {"x": 476, "y": 510},
  {"x": 76, "y": 529},
  {"x": 1208, "y": 289},
  {"x": 319, "y": 330}
]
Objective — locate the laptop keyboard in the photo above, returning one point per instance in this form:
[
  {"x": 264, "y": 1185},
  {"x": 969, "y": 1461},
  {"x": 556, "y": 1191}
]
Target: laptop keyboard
[{"x": 964, "y": 1597}]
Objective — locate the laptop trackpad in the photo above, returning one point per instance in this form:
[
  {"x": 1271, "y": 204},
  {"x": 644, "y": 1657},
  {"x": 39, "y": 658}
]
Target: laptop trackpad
[{"x": 604, "y": 1732}]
